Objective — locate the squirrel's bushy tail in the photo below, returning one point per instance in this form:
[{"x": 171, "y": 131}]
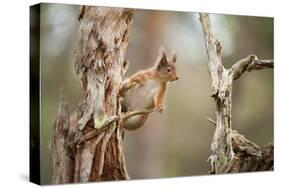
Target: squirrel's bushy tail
[{"x": 135, "y": 122}]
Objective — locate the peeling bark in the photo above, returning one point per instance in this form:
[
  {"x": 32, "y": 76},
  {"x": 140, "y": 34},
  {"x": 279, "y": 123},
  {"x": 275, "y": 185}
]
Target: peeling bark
[
  {"x": 87, "y": 150},
  {"x": 62, "y": 162},
  {"x": 231, "y": 152}
]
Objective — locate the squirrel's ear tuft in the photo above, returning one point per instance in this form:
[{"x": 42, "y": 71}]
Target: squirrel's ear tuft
[
  {"x": 173, "y": 57},
  {"x": 162, "y": 58},
  {"x": 161, "y": 51}
]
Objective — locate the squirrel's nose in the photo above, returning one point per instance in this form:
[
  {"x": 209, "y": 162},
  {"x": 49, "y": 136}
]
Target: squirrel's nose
[{"x": 177, "y": 77}]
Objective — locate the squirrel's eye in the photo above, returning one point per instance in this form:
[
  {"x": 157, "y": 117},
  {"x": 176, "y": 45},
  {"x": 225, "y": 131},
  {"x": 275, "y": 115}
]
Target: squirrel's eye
[{"x": 169, "y": 69}]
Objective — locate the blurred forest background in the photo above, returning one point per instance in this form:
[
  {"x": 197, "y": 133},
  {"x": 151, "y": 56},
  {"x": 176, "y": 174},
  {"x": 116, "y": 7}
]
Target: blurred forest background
[{"x": 176, "y": 142}]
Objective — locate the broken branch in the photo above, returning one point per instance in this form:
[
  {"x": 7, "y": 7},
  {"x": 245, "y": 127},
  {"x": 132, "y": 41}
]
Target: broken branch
[
  {"x": 110, "y": 120},
  {"x": 210, "y": 120},
  {"x": 248, "y": 64}
]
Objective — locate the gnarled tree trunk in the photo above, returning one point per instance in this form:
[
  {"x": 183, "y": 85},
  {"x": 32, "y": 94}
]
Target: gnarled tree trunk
[
  {"x": 231, "y": 152},
  {"x": 88, "y": 146}
]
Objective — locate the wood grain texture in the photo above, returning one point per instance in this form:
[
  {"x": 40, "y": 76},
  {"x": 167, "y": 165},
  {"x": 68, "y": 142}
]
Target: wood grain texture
[{"x": 100, "y": 53}]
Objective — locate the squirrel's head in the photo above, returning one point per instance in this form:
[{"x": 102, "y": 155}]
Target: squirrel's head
[{"x": 166, "y": 67}]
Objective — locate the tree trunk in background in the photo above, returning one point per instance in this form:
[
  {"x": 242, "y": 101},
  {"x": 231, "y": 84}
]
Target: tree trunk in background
[
  {"x": 80, "y": 152},
  {"x": 231, "y": 152}
]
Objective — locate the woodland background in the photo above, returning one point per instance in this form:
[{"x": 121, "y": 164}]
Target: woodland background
[{"x": 176, "y": 142}]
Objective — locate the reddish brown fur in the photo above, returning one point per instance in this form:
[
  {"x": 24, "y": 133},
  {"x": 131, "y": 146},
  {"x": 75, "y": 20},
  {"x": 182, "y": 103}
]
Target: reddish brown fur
[{"x": 163, "y": 72}]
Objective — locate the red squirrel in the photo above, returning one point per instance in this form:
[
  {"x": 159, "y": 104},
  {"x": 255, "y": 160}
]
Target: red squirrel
[{"x": 146, "y": 89}]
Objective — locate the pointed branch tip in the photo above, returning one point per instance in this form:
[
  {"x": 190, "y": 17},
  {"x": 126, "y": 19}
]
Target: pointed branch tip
[{"x": 210, "y": 120}]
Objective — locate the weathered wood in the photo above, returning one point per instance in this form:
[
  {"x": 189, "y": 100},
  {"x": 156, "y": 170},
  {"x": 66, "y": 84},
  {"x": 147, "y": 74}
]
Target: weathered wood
[
  {"x": 61, "y": 161},
  {"x": 99, "y": 59},
  {"x": 100, "y": 54},
  {"x": 249, "y": 64},
  {"x": 222, "y": 85},
  {"x": 231, "y": 152}
]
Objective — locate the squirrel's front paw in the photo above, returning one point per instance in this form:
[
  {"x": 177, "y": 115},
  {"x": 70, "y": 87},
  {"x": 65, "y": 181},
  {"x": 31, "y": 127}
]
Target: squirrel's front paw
[{"x": 160, "y": 108}]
